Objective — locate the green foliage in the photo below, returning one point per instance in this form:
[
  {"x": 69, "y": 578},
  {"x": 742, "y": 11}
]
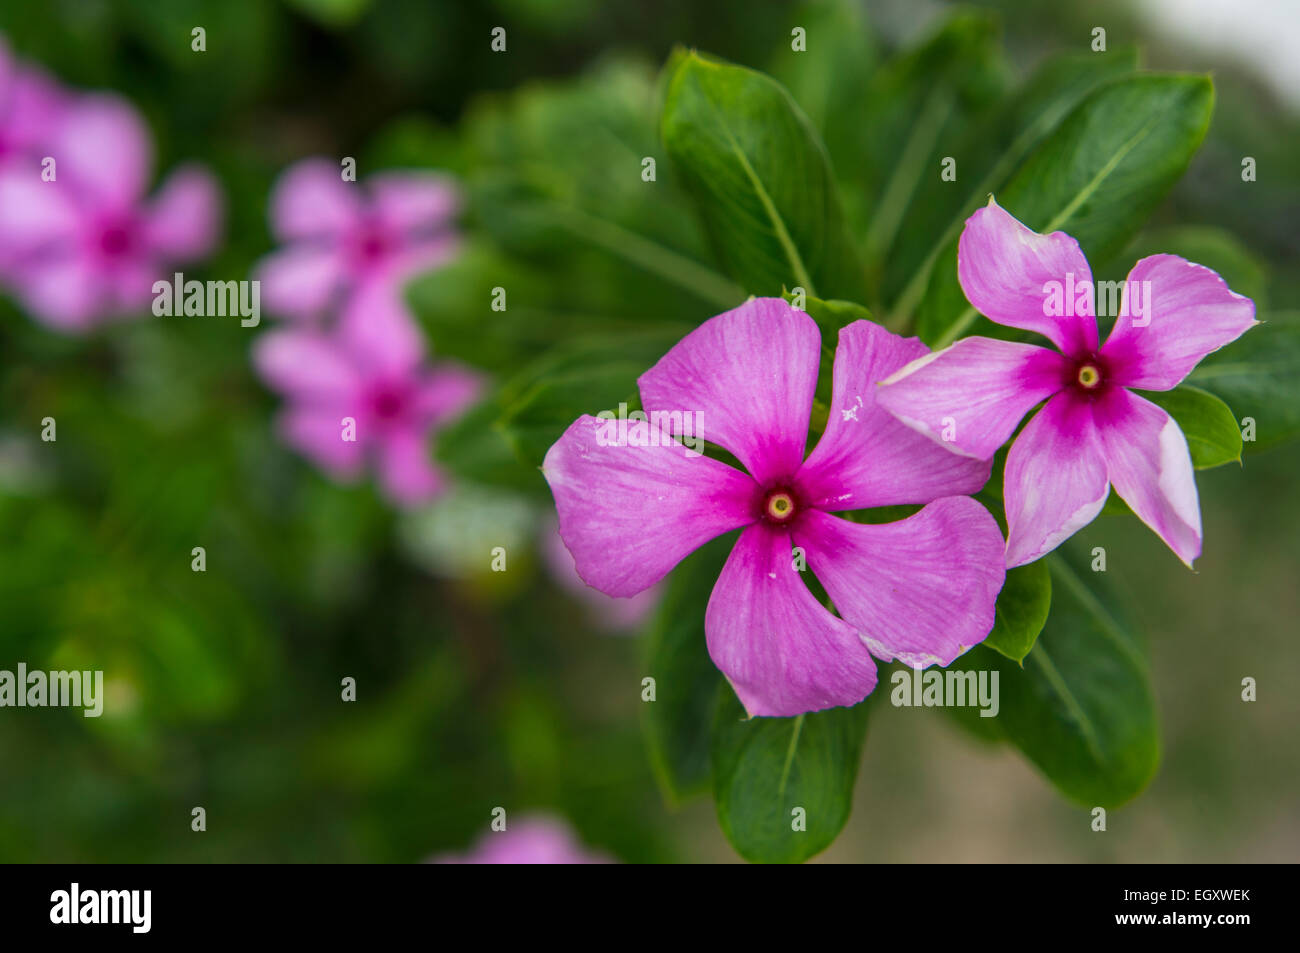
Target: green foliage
[
  {"x": 1022, "y": 609},
  {"x": 1081, "y": 706},
  {"x": 1097, "y": 177},
  {"x": 772, "y": 774},
  {"x": 760, "y": 177},
  {"x": 1212, "y": 434}
]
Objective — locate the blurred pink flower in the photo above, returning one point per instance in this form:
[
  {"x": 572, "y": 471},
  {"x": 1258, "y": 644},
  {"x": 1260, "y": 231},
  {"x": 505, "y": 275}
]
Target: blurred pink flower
[
  {"x": 533, "y": 840},
  {"x": 341, "y": 235},
  {"x": 89, "y": 244},
  {"x": 617, "y": 614},
  {"x": 370, "y": 369}
]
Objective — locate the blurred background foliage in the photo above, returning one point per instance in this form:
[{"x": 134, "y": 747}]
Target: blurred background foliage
[{"x": 478, "y": 689}]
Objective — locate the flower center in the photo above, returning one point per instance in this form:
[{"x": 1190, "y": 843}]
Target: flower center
[
  {"x": 1089, "y": 377},
  {"x": 388, "y": 402},
  {"x": 114, "y": 240},
  {"x": 779, "y": 506},
  {"x": 371, "y": 245}
]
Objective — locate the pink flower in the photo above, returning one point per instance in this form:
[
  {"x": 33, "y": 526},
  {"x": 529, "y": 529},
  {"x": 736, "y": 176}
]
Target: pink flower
[
  {"x": 1093, "y": 433},
  {"x": 615, "y": 615},
  {"x": 921, "y": 590},
  {"x": 533, "y": 840},
  {"x": 364, "y": 394},
  {"x": 341, "y": 235},
  {"x": 89, "y": 245}
]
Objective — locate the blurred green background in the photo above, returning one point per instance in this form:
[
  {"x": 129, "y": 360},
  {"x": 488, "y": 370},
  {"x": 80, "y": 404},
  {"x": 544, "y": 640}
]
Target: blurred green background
[{"x": 478, "y": 689}]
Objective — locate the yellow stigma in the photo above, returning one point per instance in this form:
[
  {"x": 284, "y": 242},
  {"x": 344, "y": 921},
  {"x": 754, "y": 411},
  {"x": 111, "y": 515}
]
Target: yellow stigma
[
  {"x": 1089, "y": 376},
  {"x": 779, "y": 506}
]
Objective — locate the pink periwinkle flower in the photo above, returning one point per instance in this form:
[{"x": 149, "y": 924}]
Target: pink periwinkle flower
[
  {"x": 363, "y": 393},
  {"x": 342, "y": 235},
  {"x": 608, "y": 612},
  {"x": 1093, "y": 433},
  {"x": 89, "y": 244},
  {"x": 921, "y": 589},
  {"x": 532, "y": 840}
]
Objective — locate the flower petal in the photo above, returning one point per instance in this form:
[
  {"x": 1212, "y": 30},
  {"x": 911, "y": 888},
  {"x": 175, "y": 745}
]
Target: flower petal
[
  {"x": 311, "y": 201},
  {"x": 380, "y": 332},
  {"x": 406, "y": 469},
  {"x": 35, "y": 213},
  {"x": 413, "y": 201},
  {"x": 970, "y": 397},
  {"x": 103, "y": 147},
  {"x": 305, "y": 366},
  {"x": 1151, "y": 469},
  {"x": 1005, "y": 267},
  {"x": 1189, "y": 312},
  {"x": 1055, "y": 481},
  {"x": 300, "y": 281},
  {"x": 920, "y": 590},
  {"x": 65, "y": 292},
  {"x": 317, "y": 433},
  {"x": 782, "y": 651},
  {"x": 618, "y": 615},
  {"x": 750, "y": 372},
  {"x": 445, "y": 392},
  {"x": 185, "y": 216},
  {"x": 629, "y": 513},
  {"x": 866, "y": 457}
]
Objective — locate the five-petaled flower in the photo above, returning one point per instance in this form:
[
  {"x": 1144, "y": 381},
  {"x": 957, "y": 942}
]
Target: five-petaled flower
[
  {"x": 1093, "y": 433},
  {"x": 342, "y": 236},
  {"x": 921, "y": 589},
  {"x": 89, "y": 244},
  {"x": 364, "y": 393}
]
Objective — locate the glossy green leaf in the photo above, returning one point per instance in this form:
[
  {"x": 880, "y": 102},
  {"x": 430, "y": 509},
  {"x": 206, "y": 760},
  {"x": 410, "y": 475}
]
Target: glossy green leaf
[
  {"x": 1081, "y": 708},
  {"x": 679, "y": 721},
  {"x": 1022, "y": 608},
  {"x": 1259, "y": 376},
  {"x": 767, "y": 770},
  {"x": 760, "y": 178},
  {"x": 1211, "y": 431},
  {"x": 1097, "y": 178},
  {"x": 990, "y": 151}
]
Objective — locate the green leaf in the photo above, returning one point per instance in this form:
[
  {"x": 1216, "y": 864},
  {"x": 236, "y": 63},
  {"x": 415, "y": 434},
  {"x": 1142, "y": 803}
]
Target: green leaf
[
  {"x": 502, "y": 442},
  {"x": 1096, "y": 178},
  {"x": 1022, "y": 609},
  {"x": 1081, "y": 708},
  {"x": 1259, "y": 376},
  {"x": 556, "y": 175},
  {"x": 760, "y": 178},
  {"x": 828, "y": 84},
  {"x": 1211, "y": 431},
  {"x": 678, "y": 722},
  {"x": 766, "y": 768},
  {"x": 830, "y": 315},
  {"x": 1215, "y": 248},
  {"x": 991, "y": 151},
  {"x": 912, "y": 116}
]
